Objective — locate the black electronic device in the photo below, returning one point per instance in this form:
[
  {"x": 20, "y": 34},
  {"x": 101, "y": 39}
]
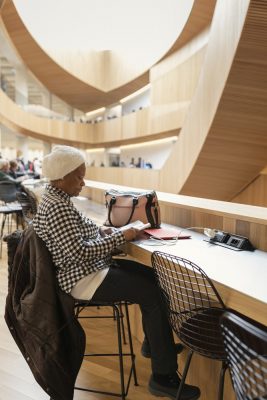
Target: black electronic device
[{"x": 231, "y": 241}]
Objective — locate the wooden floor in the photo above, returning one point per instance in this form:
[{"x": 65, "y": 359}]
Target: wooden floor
[{"x": 17, "y": 382}]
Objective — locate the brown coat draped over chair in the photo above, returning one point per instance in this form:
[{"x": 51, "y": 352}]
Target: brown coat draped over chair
[{"x": 40, "y": 317}]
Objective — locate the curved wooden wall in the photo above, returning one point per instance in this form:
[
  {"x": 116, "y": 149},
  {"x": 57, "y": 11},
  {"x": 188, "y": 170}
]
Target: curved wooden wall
[
  {"x": 223, "y": 143},
  {"x": 74, "y": 91},
  {"x": 255, "y": 193},
  {"x": 163, "y": 118}
]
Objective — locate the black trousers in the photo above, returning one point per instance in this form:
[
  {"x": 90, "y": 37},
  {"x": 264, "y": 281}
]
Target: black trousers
[{"x": 134, "y": 282}]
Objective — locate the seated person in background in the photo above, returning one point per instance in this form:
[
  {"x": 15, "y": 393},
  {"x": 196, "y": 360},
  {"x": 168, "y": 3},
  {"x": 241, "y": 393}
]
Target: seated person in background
[
  {"x": 5, "y": 177},
  {"x": 14, "y": 173},
  {"x": 13, "y": 168},
  {"x": 4, "y": 172},
  {"x": 81, "y": 252},
  {"x": 4, "y": 168}
]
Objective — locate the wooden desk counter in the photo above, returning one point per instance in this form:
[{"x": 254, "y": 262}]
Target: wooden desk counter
[{"x": 239, "y": 276}]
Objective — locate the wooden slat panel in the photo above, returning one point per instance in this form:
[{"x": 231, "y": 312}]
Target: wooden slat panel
[
  {"x": 185, "y": 211},
  {"x": 235, "y": 150},
  {"x": 255, "y": 193}
]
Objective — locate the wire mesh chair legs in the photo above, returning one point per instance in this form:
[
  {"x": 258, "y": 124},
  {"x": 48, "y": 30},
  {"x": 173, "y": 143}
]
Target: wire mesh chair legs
[
  {"x": 185, "y": 371},
  {"x": 221, "y": 384},
  {"x": 118, "y": 315},
  {"x": 7, "y": 221},
  {"x": 122, "y": 323}
]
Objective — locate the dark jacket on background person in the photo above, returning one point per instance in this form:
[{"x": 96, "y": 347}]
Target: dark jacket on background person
[
  {"x": 40, "y": 317},
  {"x": 5, "y": 177}
]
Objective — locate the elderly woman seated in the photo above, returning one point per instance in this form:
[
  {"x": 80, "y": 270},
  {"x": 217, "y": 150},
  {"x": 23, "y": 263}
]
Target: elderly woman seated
[{"x": 8, "y": 172}]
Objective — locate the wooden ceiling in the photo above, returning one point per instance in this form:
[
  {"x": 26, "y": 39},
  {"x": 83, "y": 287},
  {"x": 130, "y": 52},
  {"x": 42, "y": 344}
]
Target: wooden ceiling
[{"x": 73, "y": 91}]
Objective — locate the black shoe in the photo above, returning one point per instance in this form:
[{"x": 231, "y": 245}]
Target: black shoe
[
  {"x": 145, "y": 349},
  {"x": 167, "y": 386}
]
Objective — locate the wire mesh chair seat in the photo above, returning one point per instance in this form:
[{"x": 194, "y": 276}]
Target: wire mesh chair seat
[
  {"x": 197, "y": 332},
  {"x": 245, "y": 343},
  {"x": 194, "y": 309},
  {"x": 118, "y": 316}
]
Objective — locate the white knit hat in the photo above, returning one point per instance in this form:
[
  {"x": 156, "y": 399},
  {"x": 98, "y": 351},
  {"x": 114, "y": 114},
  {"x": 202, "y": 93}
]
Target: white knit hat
[{"x": 61, "y": 161}]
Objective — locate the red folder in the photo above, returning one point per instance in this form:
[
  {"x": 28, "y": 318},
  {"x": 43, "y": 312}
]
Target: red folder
[{"x": 166, "y": 233}]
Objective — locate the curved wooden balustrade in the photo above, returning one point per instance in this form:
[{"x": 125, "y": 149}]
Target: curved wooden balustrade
[
  {"x": 77, "y": 92},
  {"x": 132, "y": 128}
]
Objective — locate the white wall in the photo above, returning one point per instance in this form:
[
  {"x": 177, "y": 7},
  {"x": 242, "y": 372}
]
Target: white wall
[
  {"x": 154, "y": 152},
  {"x": 96, "y": 157},
  {"x": 140, "y": 101},
  {"x": 12, "y": 145}
]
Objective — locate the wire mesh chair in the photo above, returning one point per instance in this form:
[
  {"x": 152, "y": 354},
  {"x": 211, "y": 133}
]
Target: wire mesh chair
[
  {"x": 245, "y": 343},
  {"x": 28, "y": 202},
  {"x": 8, "y": 191},
  {"x": 194, "y": 309},
  {"x": 118, "y": 316},
  {"x": 9, "y": 207}
]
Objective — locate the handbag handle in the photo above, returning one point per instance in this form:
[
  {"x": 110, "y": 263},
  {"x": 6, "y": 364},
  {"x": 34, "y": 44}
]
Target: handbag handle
[{"x": 113, "y": 201}]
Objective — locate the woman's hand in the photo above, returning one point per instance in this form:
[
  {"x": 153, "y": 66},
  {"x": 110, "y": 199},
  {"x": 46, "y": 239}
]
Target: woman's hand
[
  {"x": 106, "y": 230},
  {"x": 130, "y": 234}
]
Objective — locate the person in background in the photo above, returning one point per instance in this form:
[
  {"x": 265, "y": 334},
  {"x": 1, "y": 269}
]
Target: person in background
[
  {"x": 5, "y": 177},
  {"x": 132, "y": 163},
  {"x": 30, "y": 167},
  {"x": 13, "y": 168},
  {"x": 21, "y": 165},
  {"x": 13, "y": 172},
  {"x": 37, "y": 168},
  {"x": 140, "y": 163},
  {"x": 81, "y": 252},
  {"x": 4, "y": 171},
  {"x": 148, "y": 165}
]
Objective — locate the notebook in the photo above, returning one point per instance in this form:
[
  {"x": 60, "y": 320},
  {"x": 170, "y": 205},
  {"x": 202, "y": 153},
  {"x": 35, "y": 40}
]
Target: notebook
[
  {"x": 166, "y": 233},
  {"x": 138, "y": 225}
]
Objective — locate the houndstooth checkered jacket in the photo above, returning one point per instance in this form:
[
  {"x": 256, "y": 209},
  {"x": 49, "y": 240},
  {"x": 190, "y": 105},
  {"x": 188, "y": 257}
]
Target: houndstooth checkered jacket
[{"x": 74, "y": 241}]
